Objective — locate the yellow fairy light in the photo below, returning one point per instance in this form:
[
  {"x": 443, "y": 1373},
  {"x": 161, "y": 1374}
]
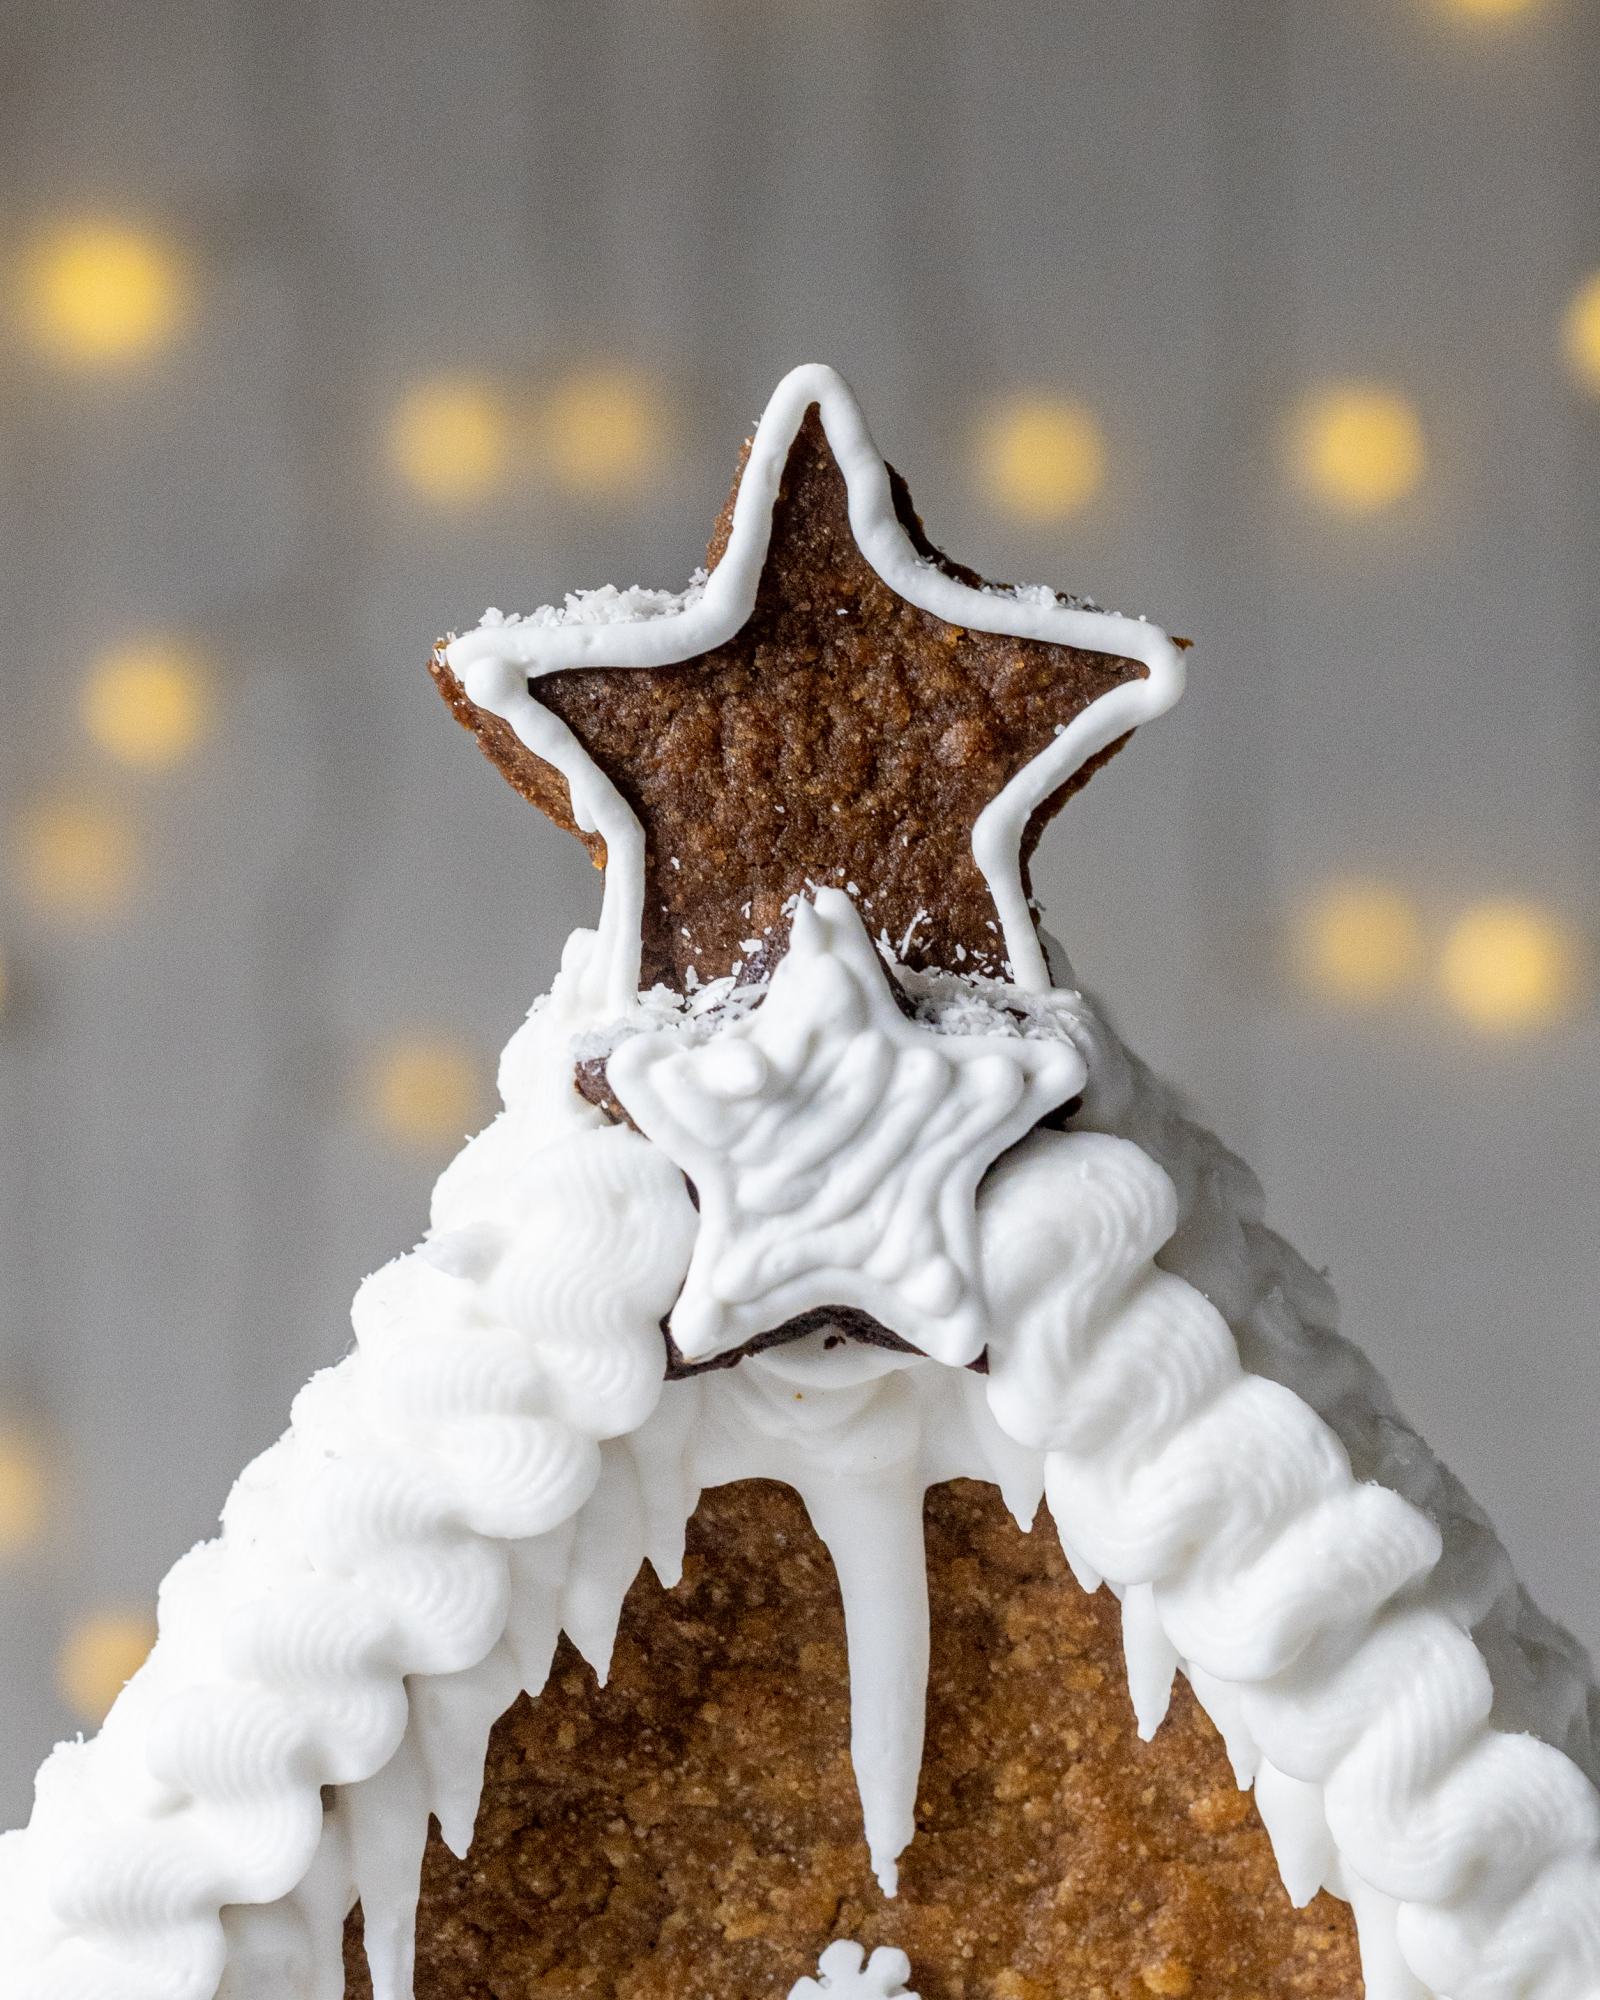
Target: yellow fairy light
[
  {"x": 76, "y": 857},
  {"x": 23, "y": 1487},
  {"x": 146, "y": 704},
  {"x": 1358, "y": 943},
  {"x": 102, "y": 294},
  {"x": 1357, "y": 447},
  {"x": 423, "y": 1090},
  {"x": 602, "y": 431},
  {"x": 1510, "y": 968},
  {"x": 449, "y": 440},
  {"x": 1040, "y": 457},
  {"x": 1580, "y": 333},
  {"x": 101, "y": 1654},
  {"x": 1489, "y": 10}
]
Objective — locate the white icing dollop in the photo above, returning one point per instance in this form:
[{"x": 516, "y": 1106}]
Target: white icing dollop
[
  {"x": 836, "y": 1147},
  {"x": 844, "y": 1972}
]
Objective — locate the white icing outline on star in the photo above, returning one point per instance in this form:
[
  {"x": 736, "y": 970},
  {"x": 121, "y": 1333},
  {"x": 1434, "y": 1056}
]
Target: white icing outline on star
[
  {"x": 836, "y": 1147},
  {"x": 496, "y": 662}
]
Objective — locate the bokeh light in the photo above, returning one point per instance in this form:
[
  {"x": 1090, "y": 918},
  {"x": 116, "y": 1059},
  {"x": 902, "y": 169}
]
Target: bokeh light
[
  {"x": 1357, "y": 447},
  {"x": 146, "y": 704},
  {"x": 24, "y": 1485},
  {"x": 603, "y": 431},
  {"x": 423, "y": 1091},
  {"x": 76, "y": 857},
  {"x": 450, "y": 441},
  {"x": 1510, "y": 968},
  {"x": 102, "y": 294},
  {"x": 1580, "y": 333},
  {"x": 98, "y": 1658},
  {"x": 1489, "y": 10},
  {"x": 1358, "y": 943},
  {"x": 1040, "y": 458}
]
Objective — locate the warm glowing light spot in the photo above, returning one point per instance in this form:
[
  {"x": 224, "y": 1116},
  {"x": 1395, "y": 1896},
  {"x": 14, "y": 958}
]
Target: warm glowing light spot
[
  {"x": 1580, "y": 333},
  {"x": 603, "y": 432},
  {"x": 1510, "y": 968},
  {"x": 449, "y": 440},
  {"x": 1359, "y": 943},
  {"x": 23, "y": 1490},
  {"x": 76, "y": 858},
  {"x": 424, "y": 1091},
  {"x": 102, "y": 294},
  {"x": 101, "y": 1655},
  {"x": 1489, "y": 10},
  {"x": 1358, "y": 447},
  {"x": 1040, "y": 457},
  {"x": 146, "y": 704}
]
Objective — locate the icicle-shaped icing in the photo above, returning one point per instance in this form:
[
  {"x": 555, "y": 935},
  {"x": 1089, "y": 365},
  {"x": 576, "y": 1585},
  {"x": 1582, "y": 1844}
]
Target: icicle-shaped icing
[
  {"x": 857, "y": 1451},
  {"x": 872, "y": 1528}
]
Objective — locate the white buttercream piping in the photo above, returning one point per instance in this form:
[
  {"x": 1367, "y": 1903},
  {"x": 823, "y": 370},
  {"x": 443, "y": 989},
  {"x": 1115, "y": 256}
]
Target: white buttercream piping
[
  {"x": 496, "y": 662},
  {"x": 1340, "y": 1604},
  {"x": 447, "y": 1500}
]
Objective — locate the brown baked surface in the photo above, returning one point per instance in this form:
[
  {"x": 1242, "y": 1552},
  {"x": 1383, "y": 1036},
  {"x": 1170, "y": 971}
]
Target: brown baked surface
[
  {"x": 814, "y": 747},
  {"x": 691, "y": 1830}
]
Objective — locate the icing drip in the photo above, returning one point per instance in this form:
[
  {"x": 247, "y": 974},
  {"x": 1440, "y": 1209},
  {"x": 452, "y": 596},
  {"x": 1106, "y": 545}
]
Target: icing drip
[
  {"x": 499, "y": 1456},
  {"x": 836, "y": 1147},
  {"x": 496, "y": 662}
]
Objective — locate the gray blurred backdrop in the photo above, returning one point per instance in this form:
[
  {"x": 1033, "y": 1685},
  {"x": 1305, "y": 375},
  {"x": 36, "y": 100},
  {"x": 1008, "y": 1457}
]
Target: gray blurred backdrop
[{"x": 327, "y": 322}]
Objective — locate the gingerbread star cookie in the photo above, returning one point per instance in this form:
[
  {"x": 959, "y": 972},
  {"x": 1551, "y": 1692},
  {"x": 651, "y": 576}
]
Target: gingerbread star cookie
[{"x": 832, "y": 702}]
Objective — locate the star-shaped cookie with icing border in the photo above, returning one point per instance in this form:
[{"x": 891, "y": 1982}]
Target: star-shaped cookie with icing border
[
  {"x": 831, "y": 700},
  {"x": 835, "y": 1147}
]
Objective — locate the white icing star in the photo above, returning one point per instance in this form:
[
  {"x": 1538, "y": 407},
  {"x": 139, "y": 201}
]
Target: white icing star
[
  {"x": 836, "y": 1147},
  {"x": 842, "y": 1975}
]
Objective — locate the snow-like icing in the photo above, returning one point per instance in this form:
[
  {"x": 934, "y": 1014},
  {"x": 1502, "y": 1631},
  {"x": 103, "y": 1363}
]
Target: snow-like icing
[
  {"x": 1040, "y": 594},
  {"x": 499, "y": 1455},
  {"x": 605, "y": 605}
]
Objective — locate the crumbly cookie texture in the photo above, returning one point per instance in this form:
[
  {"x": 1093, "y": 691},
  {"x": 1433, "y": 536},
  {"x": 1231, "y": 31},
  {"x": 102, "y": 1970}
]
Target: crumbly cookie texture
[
  {"x": 690, "y": 1831},
  {"x": 843, "y": 735}
]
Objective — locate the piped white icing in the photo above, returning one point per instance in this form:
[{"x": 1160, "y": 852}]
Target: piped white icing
[
  {"x": 497, "y": 661},
  {"x": 499, "y": 1456},
  {"x": 836, "y": 1147},
  {"x": 844, "y": 1972}
]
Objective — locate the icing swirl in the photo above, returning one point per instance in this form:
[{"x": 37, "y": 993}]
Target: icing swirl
[{"x": 385, "y": 1539}]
